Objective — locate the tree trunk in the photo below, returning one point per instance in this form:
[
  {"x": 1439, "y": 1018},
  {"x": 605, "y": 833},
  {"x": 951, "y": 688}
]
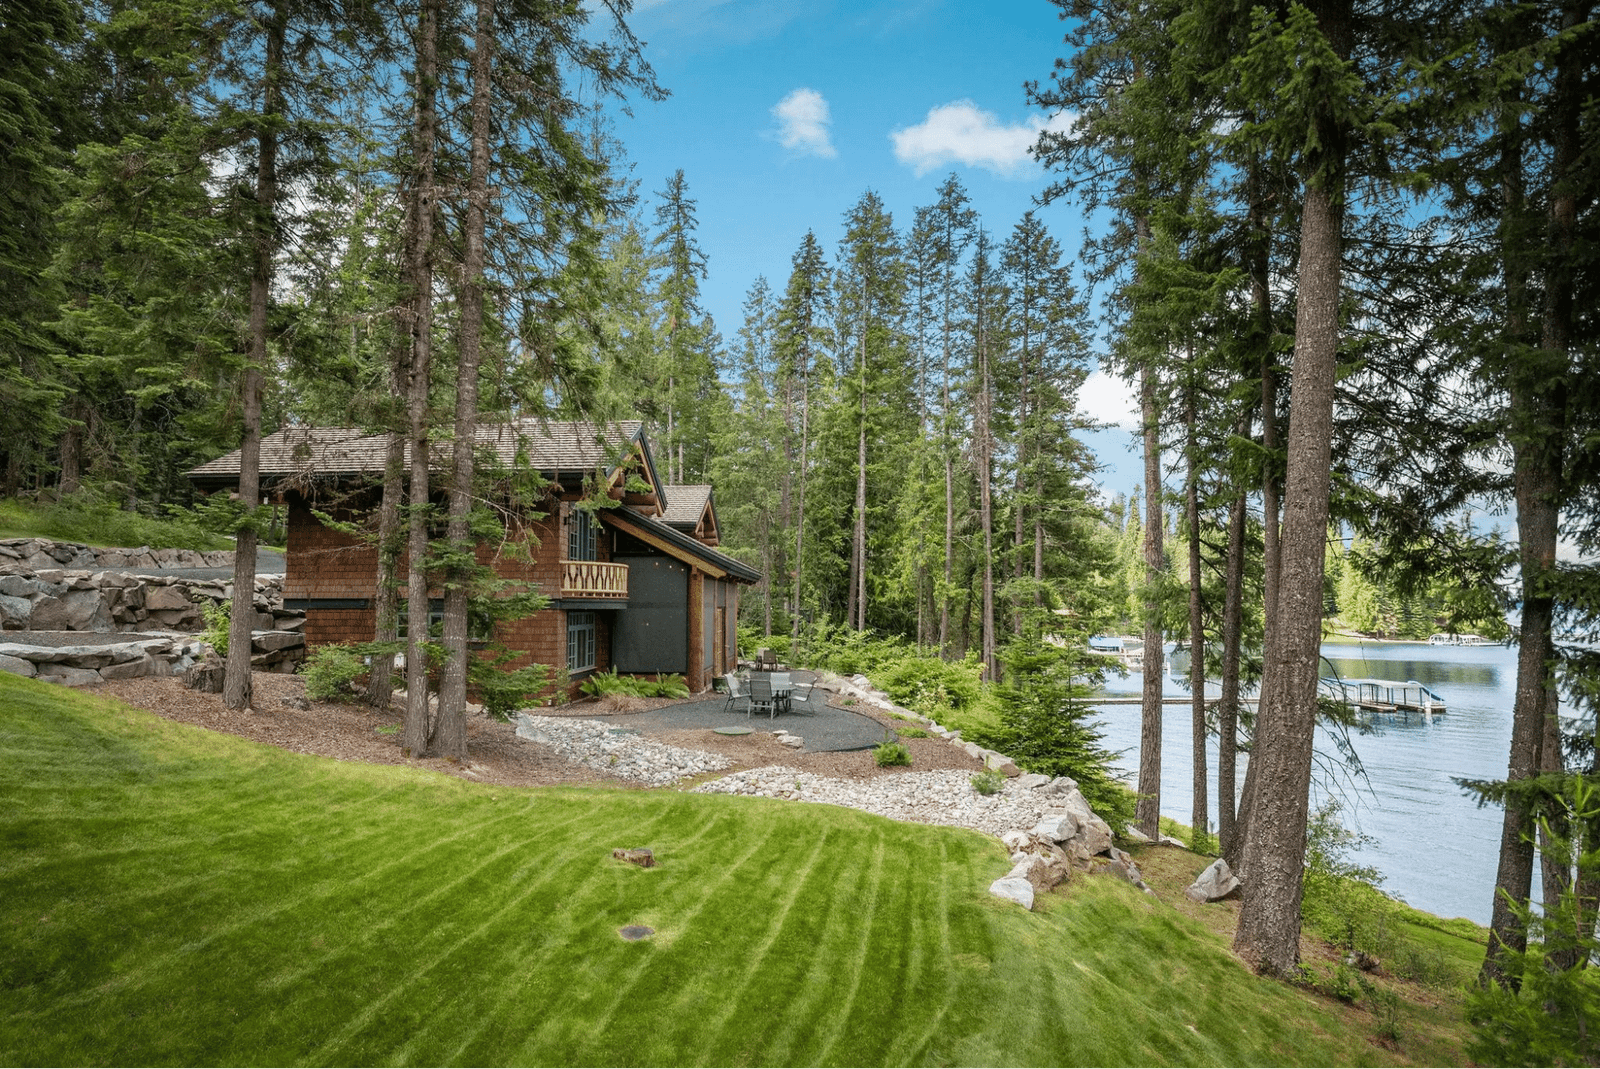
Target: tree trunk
[
  {"x": 800, "y": 499},
  {"x": 1274, "y": 854},
  {"x": 419, "y": 270},
  {"x": 451, "y": 726},
  {"x": 386, "y": 588},
  {"x": 71, "y": 449},
  {"x": 1536, "y": 421},
  {"x": 1228, "y": 708},
  {"x": 985, "y": 492},
  {"x": 1148, "y": 808},
  {"x": 238, "y": 689},
  {"x": 1199, "y": 815}
]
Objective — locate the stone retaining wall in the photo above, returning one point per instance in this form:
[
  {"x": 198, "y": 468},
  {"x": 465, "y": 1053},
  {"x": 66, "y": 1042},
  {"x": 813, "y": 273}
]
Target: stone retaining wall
[
  {"x": 50, "y": 589},
  {"x": 54, "y": 657},
  {"x": 34, "y": 554}
]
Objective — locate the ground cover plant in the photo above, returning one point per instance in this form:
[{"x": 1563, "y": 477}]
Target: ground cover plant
[
  {"x": 97, "y": 522},
  {"x": 170, "y": 895}
]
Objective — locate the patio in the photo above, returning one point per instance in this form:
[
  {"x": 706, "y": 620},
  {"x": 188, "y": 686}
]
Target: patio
[{"x": 825, "y": 727}]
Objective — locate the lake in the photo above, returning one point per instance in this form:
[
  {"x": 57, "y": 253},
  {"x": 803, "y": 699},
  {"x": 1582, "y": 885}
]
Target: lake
[{"x": 1435, "y": 848}]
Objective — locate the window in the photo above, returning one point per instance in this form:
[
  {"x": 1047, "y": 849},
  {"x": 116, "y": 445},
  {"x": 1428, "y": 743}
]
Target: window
[
  {"x": 581, "y": 532},
  {"x": 581, "y": 644},
  {"x": 480, "y": 623}
]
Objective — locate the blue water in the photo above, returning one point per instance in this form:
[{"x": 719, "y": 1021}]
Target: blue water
[{"x": 1435, "y": 848}]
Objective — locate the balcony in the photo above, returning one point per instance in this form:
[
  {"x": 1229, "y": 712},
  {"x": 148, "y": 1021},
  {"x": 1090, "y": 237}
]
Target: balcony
[{"x": 594, "y": 580}]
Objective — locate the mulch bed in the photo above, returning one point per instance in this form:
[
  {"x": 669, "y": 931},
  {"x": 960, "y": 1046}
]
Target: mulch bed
[{"x": 353, "y": 732}]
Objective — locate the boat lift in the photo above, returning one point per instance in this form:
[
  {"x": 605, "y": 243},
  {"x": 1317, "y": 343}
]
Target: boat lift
[{"x": 1373, "y": 698}]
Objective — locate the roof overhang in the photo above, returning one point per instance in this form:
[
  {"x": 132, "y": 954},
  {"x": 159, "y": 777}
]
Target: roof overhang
[{"x": 675, "y": 543}]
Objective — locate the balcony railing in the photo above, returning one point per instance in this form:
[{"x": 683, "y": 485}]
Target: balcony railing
[{"x": 594, "y": 579}]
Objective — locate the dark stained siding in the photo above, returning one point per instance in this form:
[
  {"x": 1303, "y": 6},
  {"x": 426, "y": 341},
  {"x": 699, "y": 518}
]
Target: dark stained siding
[{"x": 652, "y": 633}]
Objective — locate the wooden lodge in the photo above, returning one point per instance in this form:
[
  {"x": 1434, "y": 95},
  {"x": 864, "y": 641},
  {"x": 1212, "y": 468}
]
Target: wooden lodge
[{"x": 639, "y": 587}]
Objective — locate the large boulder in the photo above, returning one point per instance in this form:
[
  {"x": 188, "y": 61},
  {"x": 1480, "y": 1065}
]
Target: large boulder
[
  {"x": 16, "y": 614},
  {"x": 999, "y": 762},
  {"x": 23, "y": 586},
  {"x": 166, "y": 598},
  {"x": 1216, "y": 883},
  {"x": 145, "y": 665},
  {"x": 1056, "y": 825},
  {"x": 73, "y": 610},
  {"x": 1013, "y": 889},
  {"x": 17, "y": 666},
  {"x": 72, "y": 677}
]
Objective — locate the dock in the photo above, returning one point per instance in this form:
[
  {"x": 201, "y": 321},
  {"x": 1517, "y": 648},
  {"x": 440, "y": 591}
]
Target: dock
[{"x": 1374, "y": 698}]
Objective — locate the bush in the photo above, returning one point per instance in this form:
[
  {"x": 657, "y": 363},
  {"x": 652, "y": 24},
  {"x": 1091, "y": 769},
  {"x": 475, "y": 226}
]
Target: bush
[
  {"x": 217, "y": 615},
  {"x": 1341, "y": 900},
  {"x": 888, "y": 754},
  {"x": 930, "y": 685},
  {"x": 503, "y": 693},
  {"x": 988, "y": 782},
  {"x": 331, "y": 672},
  {"x": 603, "y": 683}
]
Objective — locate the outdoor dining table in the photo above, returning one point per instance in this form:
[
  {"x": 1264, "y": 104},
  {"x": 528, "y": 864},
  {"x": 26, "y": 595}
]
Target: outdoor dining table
[{"x": 782, "y": 688}]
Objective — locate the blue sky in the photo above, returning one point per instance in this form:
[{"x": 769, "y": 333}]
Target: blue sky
[{"x": 783, "y": 114}]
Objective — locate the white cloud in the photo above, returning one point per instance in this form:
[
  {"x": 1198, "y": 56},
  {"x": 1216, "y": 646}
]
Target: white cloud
[
  {"x": 1107, "y": 398},
  {"x": 803, "y": 121},
  {"x": 962, "y": 132}
]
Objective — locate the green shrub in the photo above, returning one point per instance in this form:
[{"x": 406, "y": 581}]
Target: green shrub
[
  {"x": 930, "y": 685},
  {"x": 988, "y": 782},
  {"x": 331, "y": 672},
  {"x": 217, "y": 615},
  {"x": 888, "y": 754},
  {"x": 503, "y": 693},
  {"x": 1045, "y": 726},
  {"x": 912, "y": 733},
  {"x": 1341, "y": 900}
]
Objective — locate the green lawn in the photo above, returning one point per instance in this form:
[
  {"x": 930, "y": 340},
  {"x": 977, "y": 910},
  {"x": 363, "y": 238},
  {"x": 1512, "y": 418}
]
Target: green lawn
[{"x": 169, "y": 895}]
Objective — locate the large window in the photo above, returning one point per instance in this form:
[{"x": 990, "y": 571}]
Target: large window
[
  {"x": 581, "y": 540},
  {"x": 581, "y": 643}
]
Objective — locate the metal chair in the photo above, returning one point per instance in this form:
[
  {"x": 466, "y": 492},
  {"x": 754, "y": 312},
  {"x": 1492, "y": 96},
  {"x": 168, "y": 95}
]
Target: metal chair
[
  {"x": 735, "y": 688},
  {"x": 782, "y": 689},
  {"x": 761, "y": 698}
]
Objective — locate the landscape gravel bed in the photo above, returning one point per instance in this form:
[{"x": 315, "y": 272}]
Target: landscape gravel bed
[
  {"x": 939, "y": 797},
  {"x": 619, "y": 752}
]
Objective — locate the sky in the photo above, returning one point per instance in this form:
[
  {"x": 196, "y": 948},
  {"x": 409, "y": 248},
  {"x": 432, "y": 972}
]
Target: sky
[{"x": 783, "y": 113}]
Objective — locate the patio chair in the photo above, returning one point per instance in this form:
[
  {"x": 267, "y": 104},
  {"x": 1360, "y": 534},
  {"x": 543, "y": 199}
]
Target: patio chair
[
  {"x": 735, "y": 688},
  {"x": 782, "y": 690},
  {"x": 761, "y": 698}
]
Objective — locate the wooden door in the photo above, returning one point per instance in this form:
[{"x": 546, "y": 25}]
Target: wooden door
[{"x": 720, "y": 643}]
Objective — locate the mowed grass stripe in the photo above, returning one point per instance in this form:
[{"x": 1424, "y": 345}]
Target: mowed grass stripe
[
  {"x": 382, "y": 915},
  {"x": 915, "y": 1046},
  {"x": 715, "y": 1021},
  {"x": 802, "y": 1010},
  {"x": 686, "y": 898},
  {"x": 510, "y": 942},
  {"x": 284, "y": 897}
]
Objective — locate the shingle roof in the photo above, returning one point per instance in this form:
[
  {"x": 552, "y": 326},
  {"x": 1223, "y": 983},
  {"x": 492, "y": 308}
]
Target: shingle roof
[
  {"x": 569, "y": 446},
  {"x": 685, "y": 503}
]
